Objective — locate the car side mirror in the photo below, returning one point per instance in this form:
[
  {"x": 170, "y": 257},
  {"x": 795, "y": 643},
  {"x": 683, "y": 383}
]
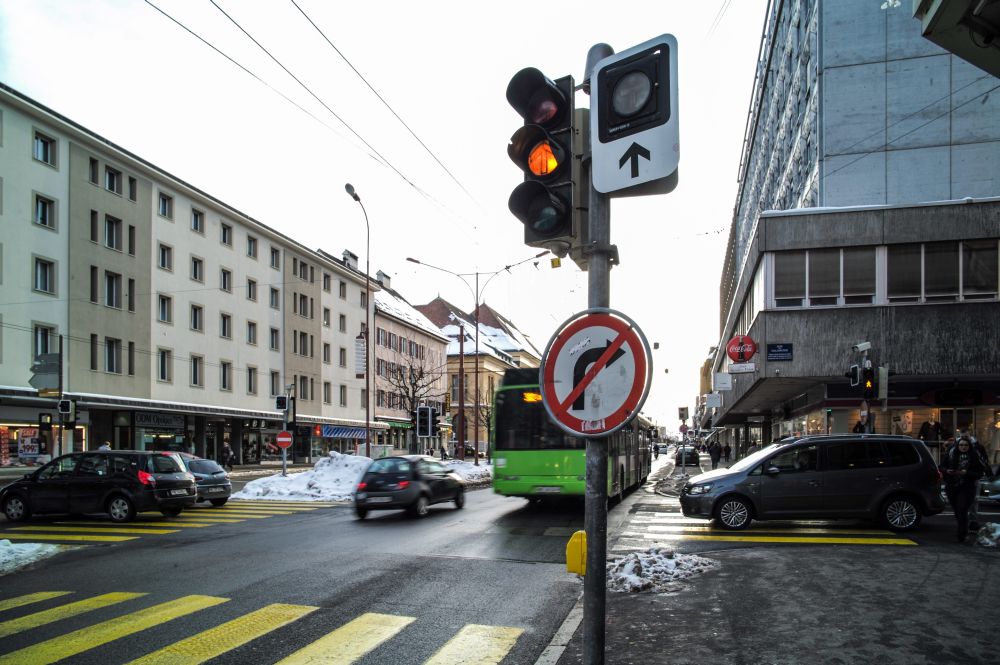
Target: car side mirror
[{"x": 772, "y": 471}]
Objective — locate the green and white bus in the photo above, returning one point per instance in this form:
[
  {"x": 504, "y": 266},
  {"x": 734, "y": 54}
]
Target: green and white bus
[{"x": 534, "y": 458}]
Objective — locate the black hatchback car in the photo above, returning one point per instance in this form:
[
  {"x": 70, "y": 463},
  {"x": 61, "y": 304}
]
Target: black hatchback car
[
  {"x": 120, "y": 483},
  {"x": 891, "y": 479},
  {"x": 413, "y": 482}
]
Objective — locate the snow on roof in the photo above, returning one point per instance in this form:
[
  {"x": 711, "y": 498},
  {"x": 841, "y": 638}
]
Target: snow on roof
[
  {"x": 392, "y": 304},
  {"x": 487, "y": 344}
]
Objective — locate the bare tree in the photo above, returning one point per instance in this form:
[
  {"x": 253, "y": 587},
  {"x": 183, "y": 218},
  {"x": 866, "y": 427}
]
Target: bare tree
[{"x": 416, "y": 382}]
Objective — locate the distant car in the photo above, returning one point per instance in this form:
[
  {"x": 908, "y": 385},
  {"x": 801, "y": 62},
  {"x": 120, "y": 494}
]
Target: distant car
[
  {"x": 891, "y": 479},
  {"x": 686, "y": 455},
  {"x": 989, "y": 490},
  {"x": 211, "y": 479},
  {"x": 411, "y": 482},
  {"x": 663, "y": 447},
  {"x": 120, "y": 483}
]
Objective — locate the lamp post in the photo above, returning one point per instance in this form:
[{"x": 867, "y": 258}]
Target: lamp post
[
  {"x": 476, "y": 295},
  {"x": 368, "y": 307}
]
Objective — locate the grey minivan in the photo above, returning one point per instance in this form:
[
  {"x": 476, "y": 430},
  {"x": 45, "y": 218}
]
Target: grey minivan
[{"x": 891, "y": 479}]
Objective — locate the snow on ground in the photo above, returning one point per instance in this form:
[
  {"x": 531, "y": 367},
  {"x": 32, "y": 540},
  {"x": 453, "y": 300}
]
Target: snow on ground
[
  {"x": 988, "y": 535},
  {"x": 17, "y": 556},
  {"x": 334, "y": 478},
  {"x": 658, "y": 569}
]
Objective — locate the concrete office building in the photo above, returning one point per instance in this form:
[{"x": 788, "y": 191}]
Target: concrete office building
[{"x": 884, "y": 152}]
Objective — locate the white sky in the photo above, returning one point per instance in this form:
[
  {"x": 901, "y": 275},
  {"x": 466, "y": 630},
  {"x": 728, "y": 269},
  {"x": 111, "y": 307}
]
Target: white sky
[{"x": 125, "y": 71}]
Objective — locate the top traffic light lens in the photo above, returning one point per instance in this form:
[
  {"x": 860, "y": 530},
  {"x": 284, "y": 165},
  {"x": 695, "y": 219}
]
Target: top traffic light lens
[
  {"x": 542, "y": 159},
  {"x": 631, "y": 93},
  {"x": 542, "y": 108}
]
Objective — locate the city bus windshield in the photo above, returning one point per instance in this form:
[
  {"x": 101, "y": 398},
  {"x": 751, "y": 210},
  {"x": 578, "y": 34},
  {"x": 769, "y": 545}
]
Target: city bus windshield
[{"x": 523, "y": 424}]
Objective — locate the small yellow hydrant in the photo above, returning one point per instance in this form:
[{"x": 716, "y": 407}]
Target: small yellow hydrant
[{"x": 576, "y": 553}]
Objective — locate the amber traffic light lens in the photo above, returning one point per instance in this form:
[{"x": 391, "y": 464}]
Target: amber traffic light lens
[{"x": 542, "y": 160}]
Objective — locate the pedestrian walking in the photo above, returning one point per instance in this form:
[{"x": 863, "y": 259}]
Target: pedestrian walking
[
  {"x": 984, "y": 459},
  {"x": 105, "y": 446},
  {"x": 715, "y": 452},
  {"x": 727, "y": 452},
  {"x": 962, "y": 468},
  {"x": 227, "y": 456}
]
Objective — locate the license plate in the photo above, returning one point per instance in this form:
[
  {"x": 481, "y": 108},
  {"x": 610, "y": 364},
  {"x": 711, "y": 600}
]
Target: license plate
[
  {"x": 178, "y": 492},
  {"x": 548, "y": 490},
  {"x": 216, "y": 489},
  {"x": 380, "y": 499}
]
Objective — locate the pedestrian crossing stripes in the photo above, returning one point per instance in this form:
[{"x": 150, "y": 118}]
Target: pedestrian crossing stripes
[
  {"x": 345, "y": 644},
  {"x": 102, "y": 530}
]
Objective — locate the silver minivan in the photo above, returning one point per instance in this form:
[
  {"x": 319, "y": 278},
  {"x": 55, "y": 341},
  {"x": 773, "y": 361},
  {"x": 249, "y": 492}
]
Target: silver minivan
[{"x": 891, "y": 479}]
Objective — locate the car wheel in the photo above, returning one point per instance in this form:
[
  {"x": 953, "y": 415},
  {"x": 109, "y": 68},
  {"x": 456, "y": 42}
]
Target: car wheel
[
  {"x": 121, "y": 509},
  {"x": 900, "y": 514},
  {"x": 460, "y": 499},
  {"x": 420, "y": 506},
  {"x": 16, "y": 509},
  {"x": 218, "y": 503},
  {"x": 361, "y": 512},
  {"x": 733, "y": 513}
]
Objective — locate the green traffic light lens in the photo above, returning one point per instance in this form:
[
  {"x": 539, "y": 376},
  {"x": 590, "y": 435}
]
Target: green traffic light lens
[{"x": 631, "y": 93}]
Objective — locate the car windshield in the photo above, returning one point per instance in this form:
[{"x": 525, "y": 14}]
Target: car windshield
[
  {"x": 389, "y": 465},
  {"x": 203, "y": 466},
  {"x": 165, "y": 463},
  {"x": 752, "y": 460}
]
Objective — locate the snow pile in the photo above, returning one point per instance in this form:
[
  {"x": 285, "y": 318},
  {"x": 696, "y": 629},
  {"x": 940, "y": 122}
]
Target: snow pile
[
  {"x": 334, "y": 478},
  {"x": 988, "y": 535},
  {"x": 657, "y": 569},
  {"x": 14, "y": 556}
]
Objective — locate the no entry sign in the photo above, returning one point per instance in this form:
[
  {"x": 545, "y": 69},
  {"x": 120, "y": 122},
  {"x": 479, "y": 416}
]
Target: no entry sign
[
  {"x": 284, "y": 439},
  {"x": 595, "y": 373}
]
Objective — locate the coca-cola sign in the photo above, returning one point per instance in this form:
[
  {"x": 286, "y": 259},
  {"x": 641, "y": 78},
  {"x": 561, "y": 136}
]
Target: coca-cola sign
[{"x": 741, "y": 348}]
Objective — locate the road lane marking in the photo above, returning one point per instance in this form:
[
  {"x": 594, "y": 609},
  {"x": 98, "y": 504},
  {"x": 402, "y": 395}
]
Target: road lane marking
[
  {"x": 657, "y": 528},
  {"x": 310, "y": 504},
  {"x": 775, "y": 539},
  {"x": 250, "y": 513},
  {"x": 477, "y": 645},
  {"x": 28, "y": 599},
  {"x": 91, "y": 529},
  {"x": 214, "y": 642},
  {"x": 351, "y": 641},
  {"x": 68, "y": 536},
  {"x": 247, "y": 506},
  {"x": 63, "y": 612},
  {"x": 78, "y": 641},
  {"x": 172, "y": 525}
]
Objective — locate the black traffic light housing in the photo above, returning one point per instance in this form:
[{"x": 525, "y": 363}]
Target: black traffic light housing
[
  {"x": 435, "y": 426},
  {"x": 854, "y": 375},
  {"x": 423, "y": 421},
  {"x": 413, "y": 419},
  {"x": 281, "y": 402},
  {"x": 868, "y": 381},
  {"x": 548, "y": 150}
]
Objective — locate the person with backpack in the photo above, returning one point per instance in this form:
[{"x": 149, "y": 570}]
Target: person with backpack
[
  {"x": 962, "y": 468},
  {"x": 715, "y": 452}
]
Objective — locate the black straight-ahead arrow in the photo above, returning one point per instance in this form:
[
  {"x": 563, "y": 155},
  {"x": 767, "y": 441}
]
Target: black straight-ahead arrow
[
  {"x": 587, "y": 358},
  {"x": 634, "y": 152}
]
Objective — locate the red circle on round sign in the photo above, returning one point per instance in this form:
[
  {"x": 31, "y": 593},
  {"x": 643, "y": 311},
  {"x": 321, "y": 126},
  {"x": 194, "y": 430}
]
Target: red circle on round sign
[
  {"x": 626, "y": 334},
  {"x": 741, "y": 348},
  {"x": 284, "y": 439}
]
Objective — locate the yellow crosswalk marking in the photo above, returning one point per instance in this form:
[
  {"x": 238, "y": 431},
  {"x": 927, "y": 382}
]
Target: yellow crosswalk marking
[
  {"x": 91, "y": 529},
  {"x": 657, "y": 528},
  {"x": 63, "y": 612},
  {"x": 211, "y": 643},
  {"x": 245, "y": 513},
  {"x": 68, "y": 536},
  {"x": 776, "y": 539},
  {"x": 231, "y": 517},
  {"x": 172, "y": 525},
  {"x": 310, "y": 504},
  {"x": 351, "y": 641},
  {"x": 477, "y": 645},
  {"x": 30, "y": 598},
  {"x": 78, "y": 641}
]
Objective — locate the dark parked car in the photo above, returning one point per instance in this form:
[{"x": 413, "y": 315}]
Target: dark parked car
[
  {"x": 989, "y": 490},
  {"x": 413, "y": 482},
  {"x": 892, "y": 479},
  {"x": 118, "y": 482},
  {"x": 211, "y": 479},
  {"x": 686, "y": 456}
]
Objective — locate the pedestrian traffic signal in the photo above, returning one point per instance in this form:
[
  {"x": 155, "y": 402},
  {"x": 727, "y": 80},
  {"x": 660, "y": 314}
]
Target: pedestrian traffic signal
[
  {"x": 854, "y": 374},
  {"x": 546, "y": 149},
  {"x": 281, "y": 402},
  {"x": 868, "y": 381},
  {"x": 435, "y": 426},
  {"x": 423, "y": 421}
]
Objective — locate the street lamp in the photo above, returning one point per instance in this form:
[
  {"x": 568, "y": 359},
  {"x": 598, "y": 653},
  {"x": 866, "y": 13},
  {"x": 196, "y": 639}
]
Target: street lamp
[
  {"x": 476, "y": 294},
  {"x": 368, "y": 307}
]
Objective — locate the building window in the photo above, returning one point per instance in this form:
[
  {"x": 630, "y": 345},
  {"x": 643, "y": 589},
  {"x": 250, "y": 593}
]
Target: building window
[
  {"x": 95, "y": 287},
  {"x": 326, "y": 317},
  {"x": 226, "y": 280},
  {"x": 113, "y": 290},
  {"x": 274, "y": 339},
  {"x": 327, "y": 392},
  {"x": 251, "y": 247},
  {"x": 342, "y": 323},
  {"x": 45, "y": 149},
  {"x": 131, "y": 240},
  {"x": 165, "y": 207},
  {"x": 343, "y": 290},
  {"x": 225, "y": 326},
  {"x": 131, "y": 359},
  {"x": 326, "y": 282},
  {"x": 45, "y": 276},
  {"x": 364, "y": 299},
  {"x": 113, "y": 180},
  {"x": 95, "y": 231},
  {"x": 165, "y": 309},
  {"x": 225, "y": 375},
  {"x": 251, "y": 289},
  {"x": 304, "y": 306},
  {"x": 226, "y": 237},
  {"x": 903, "y": 273},
  {"x": 342, "y": 359},
  {"x": 979, "y": 269},
  {"x": 274, "y": 298},
  {"x": 133, "y": 189},
  {"x": 251, "y": 333},
  {"x": 197, "y": 269},
  {"x": 131, "y": 295},
  {"x": 326, "y": 352},
  {"x": 941, "y": 271},
  {"x": 45, "y": 211},
  {"x": 275, "y": 384},
  {"x": 789, "y": 279},
  {"x": 252, "y": 380},
  {"x": 166, "y": 257},
  {"x": 113, "y": 233},
  {"x": 197, "y": 318},
  {"x": 197, "y": 371},
  {"x": 112, "y": 355},
  {"x": 93, "y": 352},
  {"x": 275, "y": 258},
  {"x": 92, "y": 176},
  {"x": 824, "y": 277},
  {"x": 197, "y": 221},
  {"x": 343, "y": 395},
  {"x": 164, "y": 365},
  {"x": 45, "y": 340},
  {"x": 859, "y": 275}
]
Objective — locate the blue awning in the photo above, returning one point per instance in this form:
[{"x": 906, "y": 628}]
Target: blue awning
[{"x": 334, "y": 432}]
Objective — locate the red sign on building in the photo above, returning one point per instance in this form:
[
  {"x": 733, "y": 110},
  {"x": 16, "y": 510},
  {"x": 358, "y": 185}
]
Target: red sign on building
[{"x": 741, "y": 348}]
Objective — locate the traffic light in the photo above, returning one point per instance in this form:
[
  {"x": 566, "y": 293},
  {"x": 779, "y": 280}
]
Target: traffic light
[
  {"x": 435, "y": 426},
  {"x": 413, "y": 420},
  {"x": 423, "y": 421},
  {"x": 67, "y": 409},
  {"x": 682, "y": 412},
  {"x": 545, "y": 149},
  {"x": 854, "y": 374},
  {"x": 868, "y": 381},
  {"x": 281, "y": 402}
]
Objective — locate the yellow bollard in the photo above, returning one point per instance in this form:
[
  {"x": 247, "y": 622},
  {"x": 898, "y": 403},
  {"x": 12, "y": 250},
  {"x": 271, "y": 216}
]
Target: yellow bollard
[{"x": 576, "y": 553}]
